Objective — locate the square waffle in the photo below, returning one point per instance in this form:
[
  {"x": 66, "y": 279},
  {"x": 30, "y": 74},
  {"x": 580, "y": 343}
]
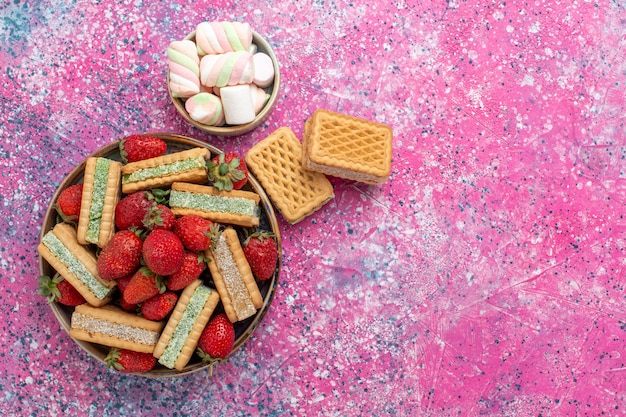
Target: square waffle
[
  {"x": 347, "y": 147},
  {"x": 276, "y": 162}
]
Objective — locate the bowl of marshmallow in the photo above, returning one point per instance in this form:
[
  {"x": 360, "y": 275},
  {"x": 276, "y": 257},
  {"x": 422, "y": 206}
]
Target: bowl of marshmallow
[{"x": 223, "y": 78}]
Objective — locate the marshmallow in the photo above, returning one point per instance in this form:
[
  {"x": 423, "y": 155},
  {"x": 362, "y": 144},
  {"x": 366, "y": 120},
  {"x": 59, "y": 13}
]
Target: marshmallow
[
  {"x": 263, "y": 69},
  {"x": 220, "y": 37},
  {"x": 184, "y": 67},
  {"x": 230, "y": 68},
  {"x": 238, "y": 104},
  {"x": 205, "y": 108},
  {"x": 259, "y": 98}
]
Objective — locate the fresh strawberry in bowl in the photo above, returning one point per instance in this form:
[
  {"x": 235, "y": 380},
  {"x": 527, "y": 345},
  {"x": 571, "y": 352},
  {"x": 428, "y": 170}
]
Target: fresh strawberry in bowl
[
  {"x": 193, "y": 266},
  {"x": 261, "y": 253},
  {"x": 135, "y": 148},
  {"x": 163, "y": 252},
  {"x": 122, "y": 283},
  {"x": 121, "y": 256},
  {"x": 216, "y": 341},
  {"x": 59, "y": 290},
  {"x": 69, "y": 203},
  {"x": 125, "y": 360},
  {"x": 194, "y": 231},
  {"x": 143, "y": 285},
  {"x": 160, "y": 306},
  {"x": 159, "y": 216},
  {"x": 228, "y": 171},
  {"x": 132, "y": 210}
]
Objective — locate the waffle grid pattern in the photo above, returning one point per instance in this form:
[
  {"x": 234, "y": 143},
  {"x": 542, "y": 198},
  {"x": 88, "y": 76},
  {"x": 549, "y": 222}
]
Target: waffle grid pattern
[
  {"x": 276, "y": 162},
  {"x": 350, "y": 143}
]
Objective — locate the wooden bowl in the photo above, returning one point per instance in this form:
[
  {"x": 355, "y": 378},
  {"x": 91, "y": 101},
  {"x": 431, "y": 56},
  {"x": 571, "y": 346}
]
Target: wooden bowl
[
  {"x": 243, "y": 329},
  {"x": 235, "y": 130}
]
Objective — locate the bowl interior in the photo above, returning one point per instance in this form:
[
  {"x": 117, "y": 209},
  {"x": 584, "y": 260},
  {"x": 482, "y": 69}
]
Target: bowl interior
[
  {"x": 236, "y": 130},
  {"x": 243, "y": 329}
]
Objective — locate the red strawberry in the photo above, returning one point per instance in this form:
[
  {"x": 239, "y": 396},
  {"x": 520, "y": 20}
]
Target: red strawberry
[
  {"x": 130, "y": 361},
  {"x": 193, "y": 265},
  {"x": 262, "y": 254},
  {"x": 69, "y": 202},
  {"x": 159, "y": 216},
  {"x": 135, "y": 148},
  {"x": 58, "y": 289},
  {"x": 228, "y": 171},
  {"x": 194, "y": 232},
  {"x": 122, "y": 283},
  {"x": 142, "y": 286},
  {"x": 159, "y": 306},
  {"x": 121, "y": 256},
  {"x": 131, "y": 308},
  {"x": 132, "y": 210},
  {"x": 216, "y": 341},
  {"x": 163, "y": 252}
]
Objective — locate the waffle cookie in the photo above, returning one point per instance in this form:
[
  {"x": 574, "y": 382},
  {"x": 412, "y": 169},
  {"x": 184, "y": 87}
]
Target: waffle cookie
[
  {"x": 111, "y": 326},
  {"x": 347, "y": 147},
  {"x": 101, "y": 192},
  {"x": 75, "y": 263},
  {"x": 233, "y": 278},
  {"x": 277, "y": 163},
  {"x": 162, "y": 171},
  {"x": 236, "y": 207},
  {"x": 180, "y": 336}
]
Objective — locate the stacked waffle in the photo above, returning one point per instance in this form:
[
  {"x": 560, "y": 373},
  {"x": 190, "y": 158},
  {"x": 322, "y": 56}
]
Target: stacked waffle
[{"x": 294, "y": 174}]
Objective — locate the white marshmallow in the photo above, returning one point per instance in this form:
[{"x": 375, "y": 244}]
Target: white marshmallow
[
  {"x": 263, "y": 69},
  {"x": 259, "y": 98},
  {"x": 238, "y": 104}
]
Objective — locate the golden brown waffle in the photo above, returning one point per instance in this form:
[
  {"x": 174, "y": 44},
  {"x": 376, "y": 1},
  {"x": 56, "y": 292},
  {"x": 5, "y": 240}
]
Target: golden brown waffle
[
  {"x": 66, "y": 234},
  {"x": 233, "y": 277},
  {"x": 347, "y": 147},
  {"x": 226, "y": 214},
  {"x": 276, "y": 161},
  {"x": 110, "y": 187},
  {"x": 111, "y": 326},
  {"x": 191, "y": 338},
  {"x": 196, "y": 173}
]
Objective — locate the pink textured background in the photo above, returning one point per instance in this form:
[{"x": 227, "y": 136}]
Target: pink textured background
[{"x": 486, "y": 277}]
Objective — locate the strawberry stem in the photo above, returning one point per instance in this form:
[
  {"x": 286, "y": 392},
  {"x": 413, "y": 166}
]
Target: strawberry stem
[{"x": 210, "y": 360}]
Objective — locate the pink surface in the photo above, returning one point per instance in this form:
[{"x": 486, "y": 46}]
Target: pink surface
[{"x": 486, "y": 277}]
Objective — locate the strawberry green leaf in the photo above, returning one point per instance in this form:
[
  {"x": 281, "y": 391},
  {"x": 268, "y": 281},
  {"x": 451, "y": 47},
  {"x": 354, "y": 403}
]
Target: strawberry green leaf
[
  {"x": 123, "y": 152},
  {"x": 48, "y": 287},
  {"x": 159, "y": 196}
]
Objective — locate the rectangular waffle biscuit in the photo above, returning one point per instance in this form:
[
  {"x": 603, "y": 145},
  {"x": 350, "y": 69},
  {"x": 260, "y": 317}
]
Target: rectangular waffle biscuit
[
  {"x": 163, "y": 171},
  {"x": 101, "y": 192},
  {"x": 276, "y": 162},
  {"x": 75, "y": 263},
  {"x": 111, "y": 326},
  {"x": 233, "y": 277},
  {"x": 347, "y": 147},
  {"x": 236, "y": 207},
  {"x": 191, "y": 314}
]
